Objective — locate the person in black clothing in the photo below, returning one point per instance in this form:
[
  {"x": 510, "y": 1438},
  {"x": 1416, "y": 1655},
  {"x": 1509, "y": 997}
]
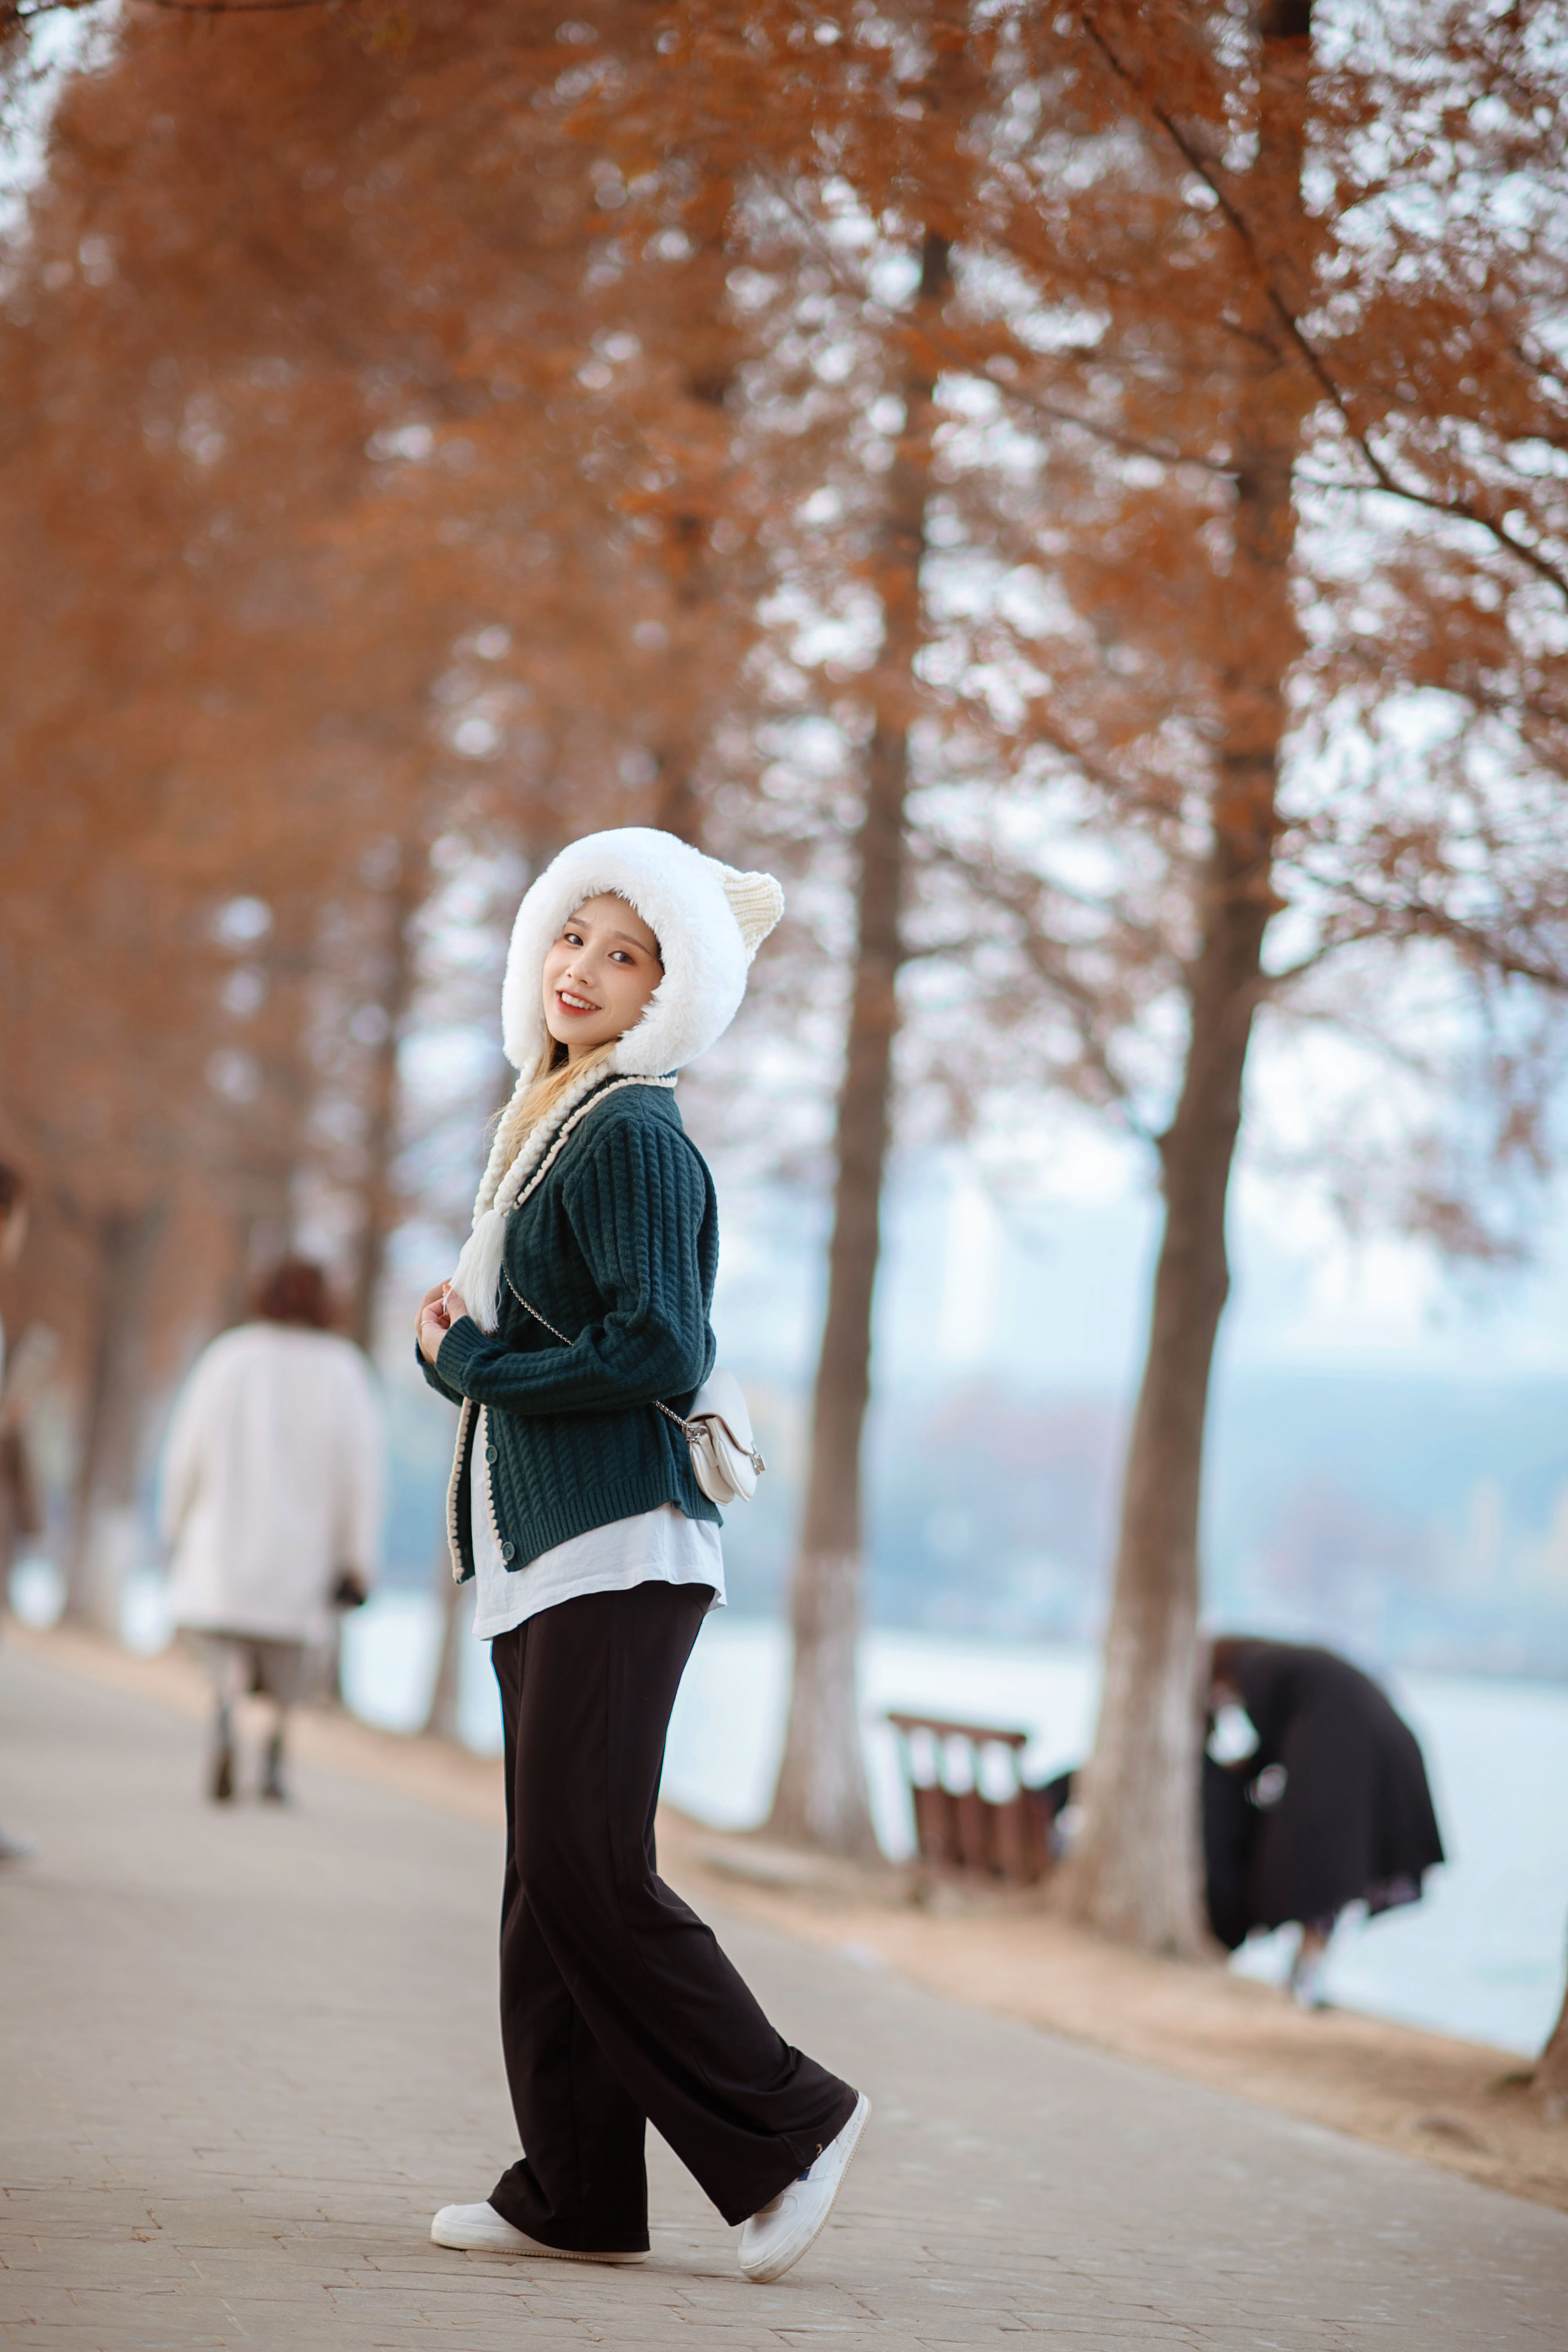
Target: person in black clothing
[{"x": 1332, "y": 1807}]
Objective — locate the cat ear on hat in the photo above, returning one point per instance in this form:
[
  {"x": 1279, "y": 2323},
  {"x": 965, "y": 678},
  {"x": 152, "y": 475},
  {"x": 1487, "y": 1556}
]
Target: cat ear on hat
[{"x": 756, "y": 901}]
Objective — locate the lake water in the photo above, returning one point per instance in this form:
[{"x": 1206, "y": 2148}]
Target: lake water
[{"x": 1482, "y": 1956}]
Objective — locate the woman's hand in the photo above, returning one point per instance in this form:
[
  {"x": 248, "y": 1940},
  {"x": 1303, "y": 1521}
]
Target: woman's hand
[
  {"x": 439, "y": 1309},
  {"x": 432, "y": 1322}
]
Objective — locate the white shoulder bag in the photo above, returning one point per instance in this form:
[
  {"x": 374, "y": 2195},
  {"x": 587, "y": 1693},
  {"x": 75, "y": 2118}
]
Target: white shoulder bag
[{"x": 724, "y": 1459}]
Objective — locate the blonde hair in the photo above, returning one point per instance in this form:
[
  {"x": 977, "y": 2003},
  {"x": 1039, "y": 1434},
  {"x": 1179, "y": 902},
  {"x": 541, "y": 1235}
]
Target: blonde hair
[{"x": 535, "y": 1101}]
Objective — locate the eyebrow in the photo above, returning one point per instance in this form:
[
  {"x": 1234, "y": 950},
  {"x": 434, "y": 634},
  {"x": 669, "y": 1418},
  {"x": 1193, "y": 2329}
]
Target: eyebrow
[{"x": 620, "y": 935}]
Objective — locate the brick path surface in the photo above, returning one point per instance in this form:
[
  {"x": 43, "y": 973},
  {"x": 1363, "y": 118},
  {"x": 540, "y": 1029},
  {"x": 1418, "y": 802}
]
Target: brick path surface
[{"x": 244, "y": 2055}]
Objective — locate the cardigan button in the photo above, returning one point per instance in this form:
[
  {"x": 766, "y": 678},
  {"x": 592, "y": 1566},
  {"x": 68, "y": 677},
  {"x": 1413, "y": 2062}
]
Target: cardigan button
[
  {"x": 508, "y": 1549},
  {"x": 492, "y": 1454}
]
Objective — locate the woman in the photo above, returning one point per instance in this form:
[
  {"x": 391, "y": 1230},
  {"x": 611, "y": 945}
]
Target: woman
[
  {"x": 573, "y": 1336},
  {"x": 1340, "y": 1811},
  {"x": 271, "y": 1499}
]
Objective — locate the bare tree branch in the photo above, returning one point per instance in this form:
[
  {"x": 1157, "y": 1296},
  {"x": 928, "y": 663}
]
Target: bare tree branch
[
  {"x": 1458, "y": 509},
  {"x": 13, "y": 16},
  {"x": 961, "y": 358}
]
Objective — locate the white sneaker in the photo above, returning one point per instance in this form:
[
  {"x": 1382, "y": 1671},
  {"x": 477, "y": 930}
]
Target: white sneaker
[
  {"x": 480, "y": 2230},
  {"x": 774, "y": 2238}
]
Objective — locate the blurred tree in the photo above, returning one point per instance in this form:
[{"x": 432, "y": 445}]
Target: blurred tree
[
  {"x": 1549, "y": 2081},
  {"x": 383, "y": 1020},
  {"x": 1296, "y": 383},
  {"x": 821, "y": 1789},
  {"x": 336, "y": 484},
  {"x": 1163, "y": 784},
  {"x": 748, "y": 78},
  {"x": 1136, "y": 1870},
  {"x": 265, "y": 598},
  {"x": 1227, "y": 825}
]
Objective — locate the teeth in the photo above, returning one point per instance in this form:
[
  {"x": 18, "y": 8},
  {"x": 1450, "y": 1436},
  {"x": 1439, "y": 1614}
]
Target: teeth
[{"x": 578, "y": 1004}]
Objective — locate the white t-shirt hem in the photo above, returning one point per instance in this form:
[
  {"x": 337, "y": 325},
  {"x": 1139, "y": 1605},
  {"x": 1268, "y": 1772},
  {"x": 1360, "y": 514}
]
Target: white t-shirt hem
[{"x": 658, "y": 1546}]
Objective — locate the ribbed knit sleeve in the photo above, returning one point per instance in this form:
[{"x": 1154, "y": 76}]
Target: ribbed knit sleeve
[
  {"x": 634, "y": 1199},
  {"x": 432, "y": 1377}
]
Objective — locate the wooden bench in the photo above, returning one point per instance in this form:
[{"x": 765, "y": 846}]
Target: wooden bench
[{"x": 960, "y": 1828}]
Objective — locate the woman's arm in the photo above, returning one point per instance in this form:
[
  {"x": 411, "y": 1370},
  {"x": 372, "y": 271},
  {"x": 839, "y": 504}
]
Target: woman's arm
[
  {"x": 635, "y": 1202},
  {"x": 182, "y": 1451},
  {"x": 434, "y": 1378}
]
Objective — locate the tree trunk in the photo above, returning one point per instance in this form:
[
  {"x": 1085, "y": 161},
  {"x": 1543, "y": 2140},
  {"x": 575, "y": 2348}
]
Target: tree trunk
[
  {"x": 443, "y": 1718},
  {"x": 272, "y": 1146},
  {"x": 698, "y": 598},
  {"x": 103, "y": 1526},
  {"x": 700, "y": 587},
  {"x": 1137, "y": 1873},
  {"x": 820, "y": 1797},
  {"x": 1548, "y": 2084},
  {"x": 379, "y": 1196}
]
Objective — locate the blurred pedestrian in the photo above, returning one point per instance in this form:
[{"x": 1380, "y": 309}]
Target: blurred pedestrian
[
  {"x": 271, "y": 1501},
  {"x": 573, "y": 1337},
  {"x": 15, "y": 1484},
  {"x": 1331, "y": 1807}
]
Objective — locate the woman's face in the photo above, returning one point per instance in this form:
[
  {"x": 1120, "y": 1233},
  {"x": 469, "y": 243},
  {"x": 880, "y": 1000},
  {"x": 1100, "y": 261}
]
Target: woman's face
[{"x": 599, "y": 973}]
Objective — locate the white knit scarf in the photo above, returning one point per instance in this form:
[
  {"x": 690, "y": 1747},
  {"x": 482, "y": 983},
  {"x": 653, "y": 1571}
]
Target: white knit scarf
[{"x": 505, "y": 1185}]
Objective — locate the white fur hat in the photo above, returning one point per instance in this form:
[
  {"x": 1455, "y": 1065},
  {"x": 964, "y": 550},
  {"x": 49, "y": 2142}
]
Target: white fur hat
[{"x": 709, "y": 923}]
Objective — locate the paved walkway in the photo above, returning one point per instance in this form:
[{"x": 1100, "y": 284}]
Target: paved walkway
[{"x": 244, "y": 2055}]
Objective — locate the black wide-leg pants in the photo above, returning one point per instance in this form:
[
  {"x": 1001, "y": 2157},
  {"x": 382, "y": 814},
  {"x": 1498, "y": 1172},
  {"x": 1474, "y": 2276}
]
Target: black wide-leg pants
[{"x": 617, "y": 2004}]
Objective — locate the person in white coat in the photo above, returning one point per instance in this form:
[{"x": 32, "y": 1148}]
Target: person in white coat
[{"x": 271, "y": 1503}]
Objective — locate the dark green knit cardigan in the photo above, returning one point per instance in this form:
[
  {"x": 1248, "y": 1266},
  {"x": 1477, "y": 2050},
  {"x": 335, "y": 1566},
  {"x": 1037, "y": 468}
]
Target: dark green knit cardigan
[{"x": 618, "y": 1248}]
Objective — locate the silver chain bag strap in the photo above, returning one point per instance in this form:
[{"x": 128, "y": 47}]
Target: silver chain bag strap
[{"x": 724, "y": 1459}]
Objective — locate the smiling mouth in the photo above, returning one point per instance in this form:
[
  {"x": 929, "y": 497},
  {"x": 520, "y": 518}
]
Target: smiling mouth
[{"x": 569, "y": 1003}]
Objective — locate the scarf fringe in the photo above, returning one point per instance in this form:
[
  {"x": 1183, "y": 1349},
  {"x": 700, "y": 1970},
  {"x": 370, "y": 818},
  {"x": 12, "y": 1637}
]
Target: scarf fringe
[
  {"x": 477, "y": 1278},
  {"x": 477, "y": 1274}
]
